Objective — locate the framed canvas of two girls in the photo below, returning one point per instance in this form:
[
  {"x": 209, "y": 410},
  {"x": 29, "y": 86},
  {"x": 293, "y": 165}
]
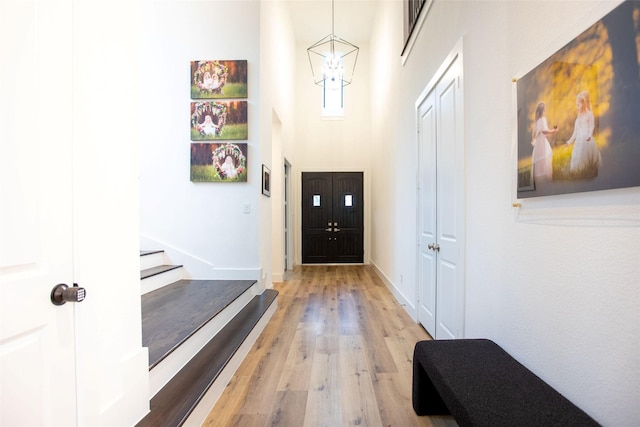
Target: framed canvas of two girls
[{"x": 578, "y": 125}]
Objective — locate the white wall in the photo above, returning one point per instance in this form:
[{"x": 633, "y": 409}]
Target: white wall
[
  {"x": 277, "y": 85},
  {"x": 555, "y": 282},
  {"x": 201, "y": 224}
]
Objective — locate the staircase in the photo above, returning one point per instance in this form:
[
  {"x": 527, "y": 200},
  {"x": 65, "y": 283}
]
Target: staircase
[{"x": 197, "y": 333}]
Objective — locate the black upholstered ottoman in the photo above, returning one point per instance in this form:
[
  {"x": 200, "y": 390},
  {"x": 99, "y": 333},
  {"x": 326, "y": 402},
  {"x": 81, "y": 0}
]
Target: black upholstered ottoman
[{"x": 478, "y": 383}]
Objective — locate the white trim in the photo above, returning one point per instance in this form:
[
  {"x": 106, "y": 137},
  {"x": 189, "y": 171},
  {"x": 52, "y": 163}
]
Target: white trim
[
  {"x": 405, "y": 302},
  {"x": 208, "y": 401},
  {"x": 151, "y": 260},
  {"x": 454, "y": 55},
  {"x": 416, "y": 30},
  {"x": 456, "y": 52},
  {"x": 198, "y": 268},
  {"x": 165, "y": 370},
  {"x": 157, "y": 281}
]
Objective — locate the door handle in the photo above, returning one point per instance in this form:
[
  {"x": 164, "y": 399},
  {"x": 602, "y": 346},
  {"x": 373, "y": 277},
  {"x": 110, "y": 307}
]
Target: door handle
[
  {"x": 327, "y": 229},
  {"x": 434, "y": 247},
  {"x": 336, "y": 230},
  {"x": 61, "y": 294}
]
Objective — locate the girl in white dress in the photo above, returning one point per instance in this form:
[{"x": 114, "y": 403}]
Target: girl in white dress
[
  {"x": 229, "y": 168},
  {"x": 542, "y": 154},
  {"x": 208, "y": 127},
  {"x": 585, "y": 157},
  {"x": 207, "y": 81}
]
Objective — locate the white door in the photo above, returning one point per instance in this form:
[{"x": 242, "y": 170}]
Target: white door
[
  {"x": 441, "y": 205},
  {"x": 37, "y": 339},
  {"x": 288, "y": 236},
  {"x": 427, "y": 263}
]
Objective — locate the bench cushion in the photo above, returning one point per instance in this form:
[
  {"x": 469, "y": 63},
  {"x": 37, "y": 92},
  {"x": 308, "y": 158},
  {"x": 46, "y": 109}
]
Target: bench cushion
[{"x": 480, "y": 384}]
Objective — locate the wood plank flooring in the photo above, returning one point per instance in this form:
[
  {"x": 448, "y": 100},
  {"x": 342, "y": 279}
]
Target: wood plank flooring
[{"x": 337, "y": 352}]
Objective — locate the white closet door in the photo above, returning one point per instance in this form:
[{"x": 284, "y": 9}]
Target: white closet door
[
  {"x": 441, "y": 206},
  {"x": 427, "y": 264},
  {"x": 449, "y": 206}
]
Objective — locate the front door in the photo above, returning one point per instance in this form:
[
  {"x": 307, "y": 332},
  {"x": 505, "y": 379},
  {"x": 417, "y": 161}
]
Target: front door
[
  {"x": 332, "y": 217},
  {"x": 37, "y": 338}
]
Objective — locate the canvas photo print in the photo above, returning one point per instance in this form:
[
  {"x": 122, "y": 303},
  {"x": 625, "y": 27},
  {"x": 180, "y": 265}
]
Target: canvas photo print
[
  {"x": 224, "y": 162},
  {"x": 218, "y": 79},
  {"x": 578, "y": 121},
  {"x": 212, "y": 120}
]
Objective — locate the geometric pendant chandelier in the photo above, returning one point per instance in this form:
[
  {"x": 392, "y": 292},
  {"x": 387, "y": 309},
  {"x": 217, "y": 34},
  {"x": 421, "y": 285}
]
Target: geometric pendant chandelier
[{"x": 332, "y": 58}]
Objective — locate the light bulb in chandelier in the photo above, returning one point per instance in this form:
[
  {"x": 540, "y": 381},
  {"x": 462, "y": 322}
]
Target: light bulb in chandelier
[{"x": 333, "y": 68}]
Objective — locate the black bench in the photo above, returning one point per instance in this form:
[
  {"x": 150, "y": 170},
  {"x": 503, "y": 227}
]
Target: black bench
[{"x": 478, "y": 383}]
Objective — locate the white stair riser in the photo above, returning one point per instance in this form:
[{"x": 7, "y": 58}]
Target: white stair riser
[
  {"x": 159, "y": 280},
  {"x": 151, "y": 260},
  {"x": 177, "y": 359}
]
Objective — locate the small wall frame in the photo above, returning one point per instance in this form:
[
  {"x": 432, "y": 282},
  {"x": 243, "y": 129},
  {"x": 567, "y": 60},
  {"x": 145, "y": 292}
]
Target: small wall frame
[{"x": 266, "y": 181}]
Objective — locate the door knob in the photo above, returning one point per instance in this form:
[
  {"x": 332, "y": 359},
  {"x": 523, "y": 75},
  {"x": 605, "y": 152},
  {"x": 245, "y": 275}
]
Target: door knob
[
  {"x": 436, "y": 247},
  {"x": 327, "y": 229},
  {"x": 61, "y": 294},
  {"x": 430, "y": 246}
]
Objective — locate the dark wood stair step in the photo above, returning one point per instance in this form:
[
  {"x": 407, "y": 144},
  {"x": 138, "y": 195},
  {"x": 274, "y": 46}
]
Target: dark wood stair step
[
  {"x": 149, "y": 252},
  {"x": 153, "y": 271},
  {"x": 173, "y": 313},
  {"x": 175, "y": 401}
]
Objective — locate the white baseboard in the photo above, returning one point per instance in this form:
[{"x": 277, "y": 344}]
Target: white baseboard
[
  {"x": 409, "y": 305},
  {"x": 196, "y": 268}
]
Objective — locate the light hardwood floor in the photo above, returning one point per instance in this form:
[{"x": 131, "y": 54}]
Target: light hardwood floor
[{"x": 337, "y": 352}]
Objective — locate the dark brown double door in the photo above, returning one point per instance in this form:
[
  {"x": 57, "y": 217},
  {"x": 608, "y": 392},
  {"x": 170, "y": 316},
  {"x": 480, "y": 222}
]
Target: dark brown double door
[{"x": 332, "y": 217}]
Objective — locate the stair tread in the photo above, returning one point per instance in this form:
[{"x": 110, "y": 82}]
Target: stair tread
[
  {"x": 171, "y": 314},
  {"x": 152, "y": 271},
  {"x": 144, "y": 252},
  {"x": 176, "y": 400}
]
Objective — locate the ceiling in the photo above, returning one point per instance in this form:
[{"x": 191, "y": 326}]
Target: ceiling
[{"x": 312, "y": 19}]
